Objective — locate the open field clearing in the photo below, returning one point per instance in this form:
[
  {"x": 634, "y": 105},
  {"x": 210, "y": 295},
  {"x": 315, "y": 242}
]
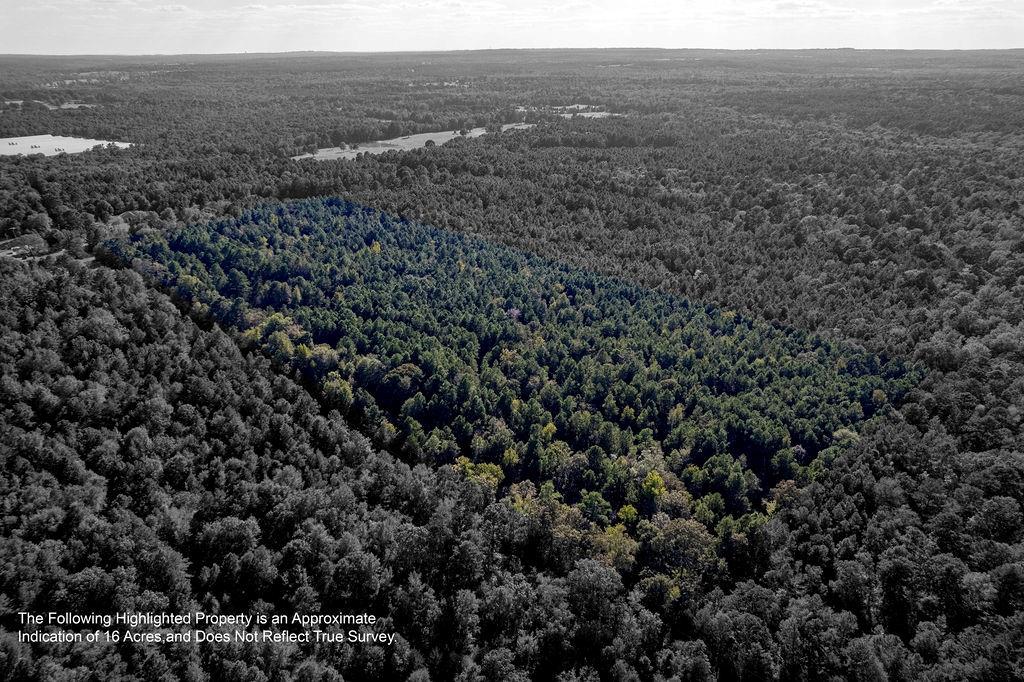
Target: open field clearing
[
  {"x": 583, "y": 110},
  {"x": 588, "y": 114},
  {"x": 50, "y": 145},
  {"x": 23, "y": 246},
  {"x": 571, "y": 110},
  {"x": 53, "y": 107},
  {"x": 404, "y": 143}
]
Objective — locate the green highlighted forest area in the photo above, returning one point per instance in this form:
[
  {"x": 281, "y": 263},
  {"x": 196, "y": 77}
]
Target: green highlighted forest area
[{"x": 620, "y": 401}]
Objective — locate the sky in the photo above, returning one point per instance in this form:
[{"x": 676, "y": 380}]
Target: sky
[{"x": 219, "y": 26}]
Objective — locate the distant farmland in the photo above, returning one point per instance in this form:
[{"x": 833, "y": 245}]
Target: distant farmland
[
  {"x": 50, "y": 145},
  {"x": 401, "y": 143}
]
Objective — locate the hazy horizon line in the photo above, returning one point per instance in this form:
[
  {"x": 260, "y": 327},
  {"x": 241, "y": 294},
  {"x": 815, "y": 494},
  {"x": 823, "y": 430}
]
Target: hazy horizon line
[{"x": 512, "y": 49}]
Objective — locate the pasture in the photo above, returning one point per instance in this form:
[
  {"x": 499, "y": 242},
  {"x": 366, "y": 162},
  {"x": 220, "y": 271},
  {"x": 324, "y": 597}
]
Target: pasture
[
  {"x": 50, "y": 145},
  {"x": 404, "y": 143}
]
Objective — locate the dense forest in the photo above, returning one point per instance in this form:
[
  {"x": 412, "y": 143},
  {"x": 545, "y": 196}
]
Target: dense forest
[
  {"x": 445, "y": 348},
  {"x": 727, "y": 384}
]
